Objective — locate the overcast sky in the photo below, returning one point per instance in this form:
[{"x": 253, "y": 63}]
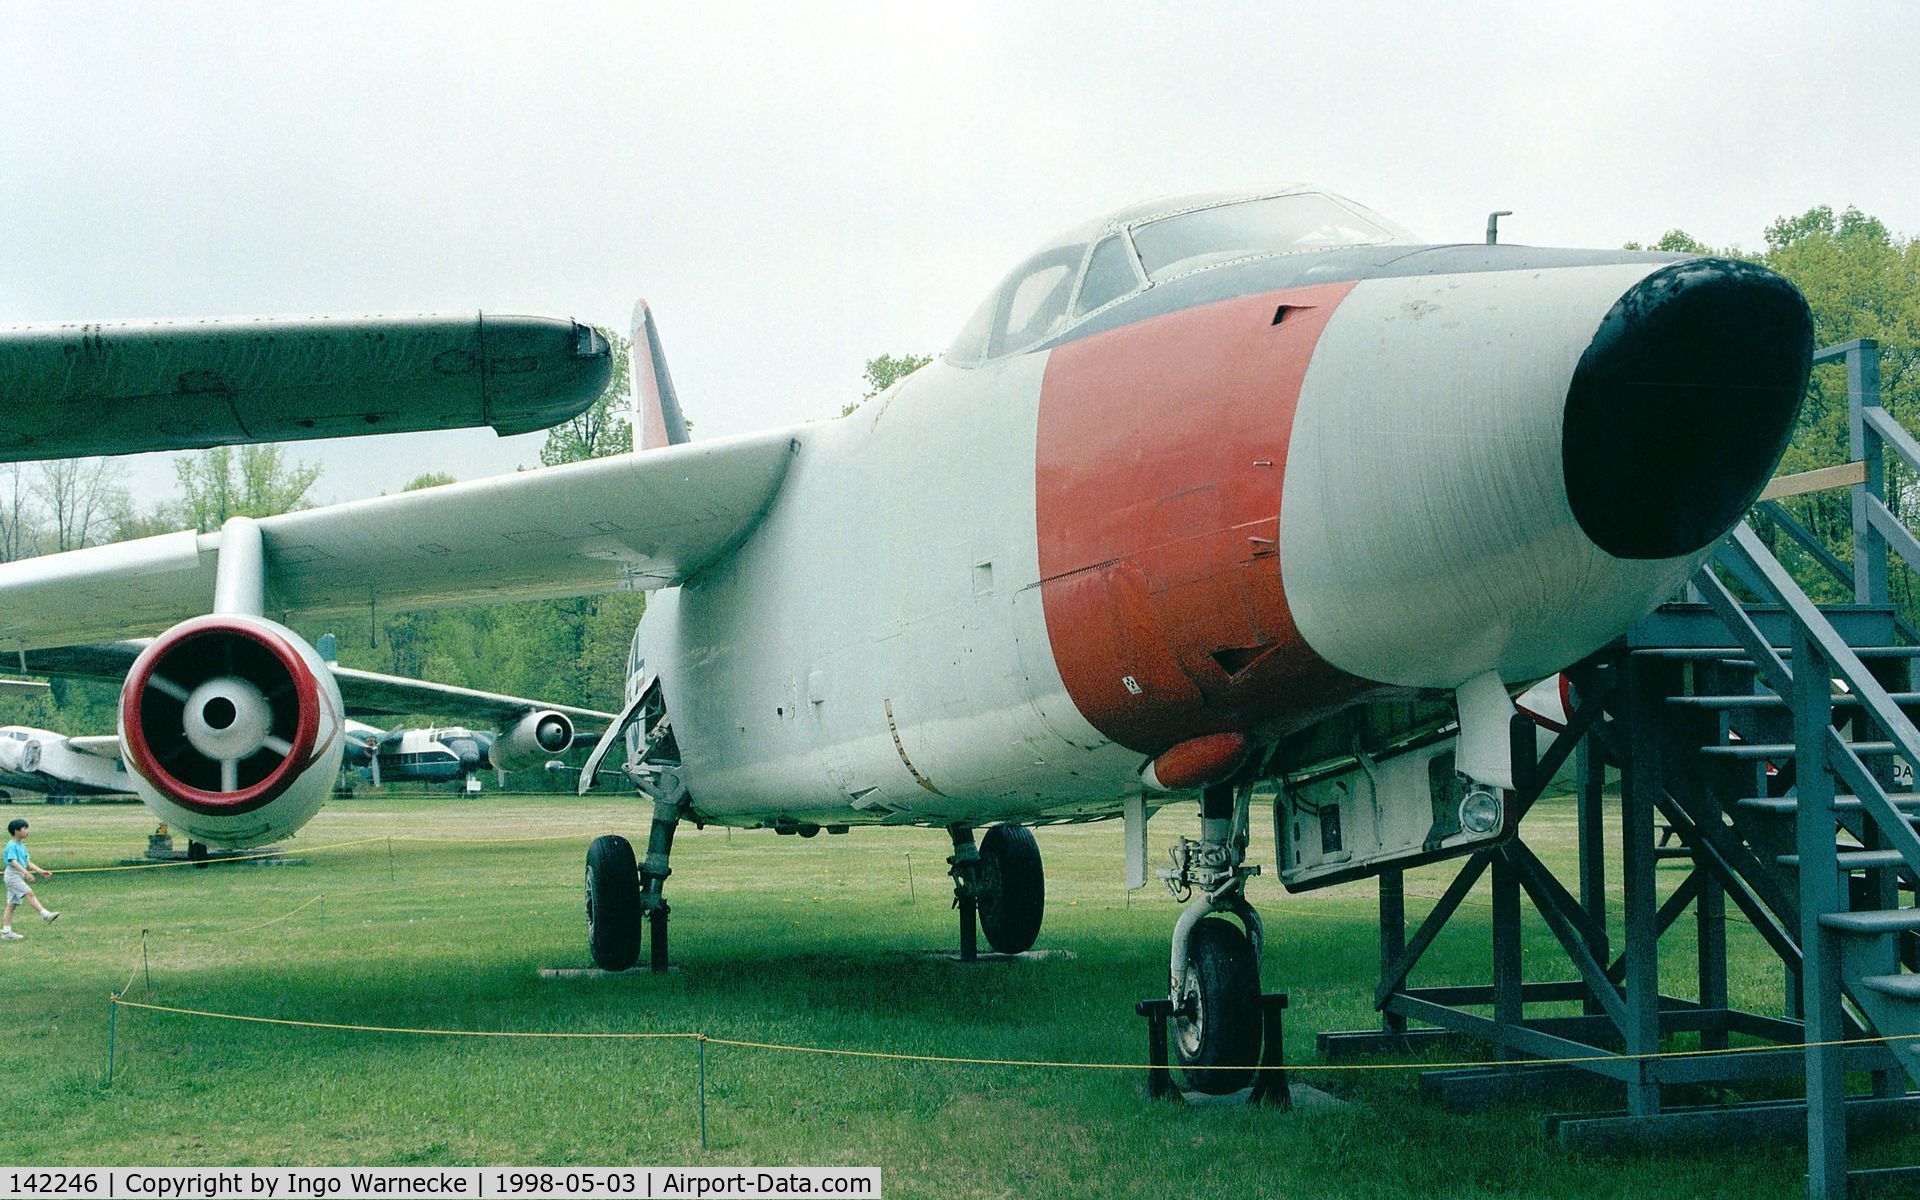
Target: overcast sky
[{"x": 797, "y": 188}]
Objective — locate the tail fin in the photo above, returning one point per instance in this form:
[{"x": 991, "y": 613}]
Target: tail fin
[{"x": 657, "y": 420}]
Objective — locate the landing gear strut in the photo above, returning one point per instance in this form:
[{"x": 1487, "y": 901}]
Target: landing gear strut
[
  {"x": 1013, "y": 889},
  {"x": 653, "y": 877},
  {"x": 624, "y": 898},
  {"x": 1214, "y": 984},
  {"x": 1002, "y": 883},
  {"x": 964, "y": 865}
]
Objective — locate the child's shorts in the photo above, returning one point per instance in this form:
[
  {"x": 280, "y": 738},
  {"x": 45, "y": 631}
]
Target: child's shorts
[{"x": 17, "y": 887}]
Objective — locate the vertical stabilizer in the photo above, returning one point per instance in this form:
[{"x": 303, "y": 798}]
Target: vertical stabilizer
[{"x": 657, "y": 420}]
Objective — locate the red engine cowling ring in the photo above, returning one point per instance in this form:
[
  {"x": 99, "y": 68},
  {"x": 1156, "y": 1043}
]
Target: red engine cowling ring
[{"x": 142, "y": 755}]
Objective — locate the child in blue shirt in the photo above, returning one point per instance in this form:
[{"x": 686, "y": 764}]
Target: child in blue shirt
[{"x": 20, "y": 870}]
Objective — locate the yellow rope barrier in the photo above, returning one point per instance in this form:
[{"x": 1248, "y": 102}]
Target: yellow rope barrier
[
  {"x": 552, "y": 1035},
  {"x": 366, "y": 841},
  {"x": 893, "y": 1056},
  {"x": 213, "y": 862},
  {"x": 295, "y": 911}
]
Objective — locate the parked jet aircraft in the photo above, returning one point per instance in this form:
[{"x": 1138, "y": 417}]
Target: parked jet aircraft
[
  {"x": 453, "y": 754},
  {"x": 1207, "y": 490},
  {"x": 40, "y": 760}
]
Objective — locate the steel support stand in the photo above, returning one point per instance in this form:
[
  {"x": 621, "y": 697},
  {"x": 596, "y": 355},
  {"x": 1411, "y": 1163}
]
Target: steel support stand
[
  {"x": 1710, "y": 913},
  {"x": 1640, "y": 784},
  {"x": 1159, "y": 1073},
  {"x": 1590, "y": 816},
  {"x": 1508, "y": 998},
  {"x": 1864, "y": 444},
  {"x": 1710, "y": 921},
  {"x": 1269, "y": 1088},
  {"x": 1819, "y": 893},
  {"x": 1393, "y": 938}
]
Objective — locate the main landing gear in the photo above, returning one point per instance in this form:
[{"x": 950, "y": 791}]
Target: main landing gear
[
  {"x": 1001, "y": 880},
  {"x": 624, "y": 897},
  {"x": 1215, "y": 981}
]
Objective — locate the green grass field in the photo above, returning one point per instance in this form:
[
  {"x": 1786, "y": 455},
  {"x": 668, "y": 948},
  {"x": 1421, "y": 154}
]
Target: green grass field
[{"x": 780, "y": 940}]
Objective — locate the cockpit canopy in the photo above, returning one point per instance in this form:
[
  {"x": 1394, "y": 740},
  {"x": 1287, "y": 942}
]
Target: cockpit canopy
[{"x": 1099, "y": 263}]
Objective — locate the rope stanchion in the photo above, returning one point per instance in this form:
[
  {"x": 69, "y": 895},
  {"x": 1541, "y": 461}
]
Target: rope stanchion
[{"x": 701, "y": 1042}]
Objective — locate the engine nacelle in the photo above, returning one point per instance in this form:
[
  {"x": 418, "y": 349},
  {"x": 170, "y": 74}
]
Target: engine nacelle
[
  {"x": 533, "y": 740},
  {"x": 231, "y": 727}
]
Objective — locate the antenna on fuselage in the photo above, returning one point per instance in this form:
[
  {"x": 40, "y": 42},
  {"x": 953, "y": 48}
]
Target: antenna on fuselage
[{"x": 1493, "y": 224}]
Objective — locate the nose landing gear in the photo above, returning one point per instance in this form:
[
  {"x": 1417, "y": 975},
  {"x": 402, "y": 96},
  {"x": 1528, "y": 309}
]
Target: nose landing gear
[{"x": 1214, "y": 982}]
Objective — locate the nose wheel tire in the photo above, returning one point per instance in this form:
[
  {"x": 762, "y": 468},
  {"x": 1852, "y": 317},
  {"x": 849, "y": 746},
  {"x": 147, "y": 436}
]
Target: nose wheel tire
[
  {"x": 613, "y": 904},
  {"x": 1216, "y": 1025},
  {"x": 1013, "y": 889}
]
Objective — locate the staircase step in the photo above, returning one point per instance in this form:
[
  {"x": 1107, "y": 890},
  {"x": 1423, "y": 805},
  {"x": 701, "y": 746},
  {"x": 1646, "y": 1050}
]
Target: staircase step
[
  {"x": 1853, "y": 860},
  {"x": 1769, "y": 700},
  {"x": 1772, "y": 750},
  {"x": 1738, "y": 654},
  {"x": 1905, "y": 985},
  {"x": 1887, "y": 920},
  {"x": 1846, "y": 802}
]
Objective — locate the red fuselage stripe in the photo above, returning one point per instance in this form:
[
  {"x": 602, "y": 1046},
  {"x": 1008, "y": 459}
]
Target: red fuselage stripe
[{"x": 1161, "y": 450}]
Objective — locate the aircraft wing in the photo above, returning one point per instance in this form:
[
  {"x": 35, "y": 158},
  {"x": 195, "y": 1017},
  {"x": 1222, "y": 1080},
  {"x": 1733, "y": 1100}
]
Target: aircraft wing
[
  {"x": 128, "y": 386},
  {"x": 103, "y": 745},
  {"x": 632, "y": 522},
  {"x": 368, "y": 694},
  {"x": 365, "y": 693}
]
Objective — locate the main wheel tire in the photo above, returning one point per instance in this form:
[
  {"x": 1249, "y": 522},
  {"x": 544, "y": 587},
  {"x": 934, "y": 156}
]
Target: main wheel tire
[
  {"x": 613, "y": 904},
  {"x": 1013, "y": 888},
  {"x": 1217, "y": 1030}
]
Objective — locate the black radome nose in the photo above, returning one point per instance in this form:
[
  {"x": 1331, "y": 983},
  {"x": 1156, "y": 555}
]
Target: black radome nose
[{"x": 1682, "y": 404}]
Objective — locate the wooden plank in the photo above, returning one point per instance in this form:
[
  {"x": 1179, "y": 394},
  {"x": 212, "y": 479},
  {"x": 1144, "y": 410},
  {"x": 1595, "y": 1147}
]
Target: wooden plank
[{"x": 1844, "y": 475}]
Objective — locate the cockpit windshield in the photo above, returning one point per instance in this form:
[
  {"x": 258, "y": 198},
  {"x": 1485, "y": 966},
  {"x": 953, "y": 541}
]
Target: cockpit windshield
[
  {"x": 1275, "y": 225},
  {"x": 1108, "y": 260}
]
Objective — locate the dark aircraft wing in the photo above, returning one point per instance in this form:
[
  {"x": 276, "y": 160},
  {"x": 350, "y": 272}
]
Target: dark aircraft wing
[
  {"x": 365, "y": 693},
  {"x": 130, "y": 386}
]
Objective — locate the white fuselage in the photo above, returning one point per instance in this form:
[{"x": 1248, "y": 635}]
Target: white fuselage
[
  {"x": 880, "y": 647},
  {"x": 888, "y": 592}
]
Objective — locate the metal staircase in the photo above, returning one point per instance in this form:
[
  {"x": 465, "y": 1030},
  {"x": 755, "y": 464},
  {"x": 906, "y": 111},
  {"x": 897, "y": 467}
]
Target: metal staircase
[{"x": 1766, "y": 732}]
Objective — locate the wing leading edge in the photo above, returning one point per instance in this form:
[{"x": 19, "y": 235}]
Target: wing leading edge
[
  {"x": 633, "y": 522},
  {"x": 365, "y": 693}
]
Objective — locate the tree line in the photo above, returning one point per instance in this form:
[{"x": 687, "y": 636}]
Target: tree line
[{"x": 1861, "y": 281}]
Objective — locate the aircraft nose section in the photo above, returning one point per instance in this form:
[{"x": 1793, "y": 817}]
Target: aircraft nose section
[{"x": 1681, "y": 405}]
